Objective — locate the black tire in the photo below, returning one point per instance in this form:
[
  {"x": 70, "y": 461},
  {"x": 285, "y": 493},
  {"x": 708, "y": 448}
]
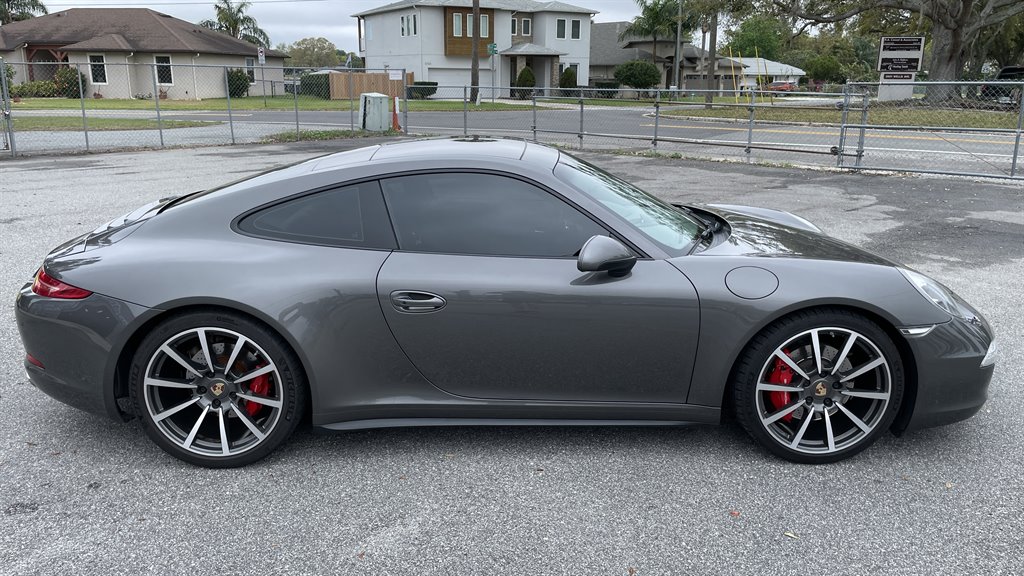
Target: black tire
[
  {"x": 823, "y": 429},
  {"x": 256, "y": 396}
]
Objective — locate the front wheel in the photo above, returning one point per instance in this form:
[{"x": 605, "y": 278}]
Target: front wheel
[
  {"x": 216, "y": 389},
  {"x": 819, "y": 386}
]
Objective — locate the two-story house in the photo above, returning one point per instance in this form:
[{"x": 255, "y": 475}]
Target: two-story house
[{"x": 433, "y": 39}]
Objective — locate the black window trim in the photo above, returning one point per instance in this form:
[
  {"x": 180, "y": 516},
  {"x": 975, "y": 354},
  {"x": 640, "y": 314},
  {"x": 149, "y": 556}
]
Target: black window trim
[
  {"x": 236, "y": 221},
  {"x": 611, "y": 232}
]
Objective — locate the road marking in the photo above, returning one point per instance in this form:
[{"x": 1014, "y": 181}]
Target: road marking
[{"x": 835, "y": 134}]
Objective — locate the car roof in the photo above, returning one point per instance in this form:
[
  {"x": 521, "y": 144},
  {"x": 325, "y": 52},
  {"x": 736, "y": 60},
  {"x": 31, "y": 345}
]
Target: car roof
[{"x": 462, "y": 149}]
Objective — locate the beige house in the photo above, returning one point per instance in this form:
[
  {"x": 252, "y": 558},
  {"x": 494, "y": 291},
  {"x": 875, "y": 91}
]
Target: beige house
[{"x": 125, "y": 52}]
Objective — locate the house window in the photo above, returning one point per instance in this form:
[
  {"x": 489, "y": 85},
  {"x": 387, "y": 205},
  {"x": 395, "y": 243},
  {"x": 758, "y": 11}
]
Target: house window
[
  {"x": 250, "y": 69},
  {"x": 485, "y": 25},
  {"x": 526, "y": 27},
  {"x": 415, "y": 29},
  {"x": 163, "y": 70},
  {"x": 515, "y": 26},
  {"x": 560, "y": 28},
  {"x": 469, "y": 25},
  {"x": 409, "y": 25},
  {"x": 403, "y": 25},
  {"x": 97, "y": 69},
  {"x": 457, "y": 25},
  {"x": 576, "y": 28}
]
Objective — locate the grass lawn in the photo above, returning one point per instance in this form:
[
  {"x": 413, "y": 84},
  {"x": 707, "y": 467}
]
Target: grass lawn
[
  {"x": 74, "y": 124},
  {"x": 633, "y": 102},
  {"x": 305, "y": 103},
  {"x": 877, "y": 115}
]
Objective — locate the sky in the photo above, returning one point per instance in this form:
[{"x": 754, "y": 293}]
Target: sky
[{"x": 291, "y": 20}]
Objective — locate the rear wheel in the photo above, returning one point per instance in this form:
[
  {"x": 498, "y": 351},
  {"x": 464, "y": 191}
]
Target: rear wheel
[
  {"x": 217, "y": 390},
  {"x": 819, "y": 386}
]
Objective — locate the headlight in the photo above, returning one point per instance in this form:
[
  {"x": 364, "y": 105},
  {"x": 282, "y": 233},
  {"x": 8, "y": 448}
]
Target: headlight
[{"x": 936, "y": 293}]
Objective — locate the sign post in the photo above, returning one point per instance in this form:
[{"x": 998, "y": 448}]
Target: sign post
[
  {"x": 492, "y": 49},
  {"x": 899, "y": 61}
]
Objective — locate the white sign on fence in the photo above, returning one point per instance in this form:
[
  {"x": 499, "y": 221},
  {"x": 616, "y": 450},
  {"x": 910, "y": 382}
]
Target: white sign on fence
[
  {"x": 262, "y": 55},
  {"x": 394, "y": 74},
  {"x": 899, "y": 60}
]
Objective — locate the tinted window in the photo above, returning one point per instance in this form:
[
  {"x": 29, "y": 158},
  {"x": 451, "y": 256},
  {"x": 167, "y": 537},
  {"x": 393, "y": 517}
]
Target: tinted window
[
  {"x": 465, "y": 213},
  {"x": 351, "y": 216}
]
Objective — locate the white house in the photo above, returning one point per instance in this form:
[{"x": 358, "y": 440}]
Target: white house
[
  {"x": 433, "y": 39},
  {"x": 768, "y": 71}
]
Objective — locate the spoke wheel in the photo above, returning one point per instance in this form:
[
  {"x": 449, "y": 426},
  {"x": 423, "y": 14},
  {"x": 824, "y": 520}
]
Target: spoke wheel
[
  {"x": 218, "y": 393},
  {"x": 819, "y": 387}
]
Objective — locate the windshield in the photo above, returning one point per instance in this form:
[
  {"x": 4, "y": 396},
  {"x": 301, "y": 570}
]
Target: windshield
[{"x": 670, "y": 228}]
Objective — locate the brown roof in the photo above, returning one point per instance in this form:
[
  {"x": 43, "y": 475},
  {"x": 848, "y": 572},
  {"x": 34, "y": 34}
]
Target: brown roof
[{"x": 122, "y": 30}]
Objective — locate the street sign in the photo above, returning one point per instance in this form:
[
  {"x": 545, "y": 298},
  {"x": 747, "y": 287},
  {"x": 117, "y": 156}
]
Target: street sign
[
  {"x": 262, "y": 55},
  {"x": 492, "y": 49},
  {"x": 900, "y": 53}
]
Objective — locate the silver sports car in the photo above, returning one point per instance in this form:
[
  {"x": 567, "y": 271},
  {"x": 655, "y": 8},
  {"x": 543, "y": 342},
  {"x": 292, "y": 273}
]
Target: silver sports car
[{"x": 477, "y": 282}]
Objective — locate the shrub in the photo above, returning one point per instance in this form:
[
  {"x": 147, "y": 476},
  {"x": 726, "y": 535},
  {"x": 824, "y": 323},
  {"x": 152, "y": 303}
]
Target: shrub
[
  {"x": 525, "y": 80},
  {"x": 605, "y": 88},
  {"x": 68, "y": 82},
  {"x": 9, "y": 73},
  {"x": 639, "y": 74},
  {"x": 238, "y": 83},
  {"x": 318, "y": 85},
  {"x": 421, "y": 90},
  {"x": 37, "y": 89},
  {"x": 567, "y": 82}
]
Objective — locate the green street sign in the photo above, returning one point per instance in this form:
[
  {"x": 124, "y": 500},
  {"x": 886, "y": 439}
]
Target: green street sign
[{"x": 492, "y": 49}]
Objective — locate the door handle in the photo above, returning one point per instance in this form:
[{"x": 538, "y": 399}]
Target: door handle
[{"x": 413, "y": 301}]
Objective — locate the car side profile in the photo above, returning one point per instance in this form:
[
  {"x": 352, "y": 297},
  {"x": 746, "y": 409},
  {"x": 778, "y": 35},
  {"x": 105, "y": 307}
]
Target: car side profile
[{"x": 475, "y": 281}]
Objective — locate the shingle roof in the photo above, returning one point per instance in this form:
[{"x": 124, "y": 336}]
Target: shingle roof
[
  {"x": 514, "y": 5},
  {"x": 122, "y": 29},
  {"x": 606, "y": 48}
]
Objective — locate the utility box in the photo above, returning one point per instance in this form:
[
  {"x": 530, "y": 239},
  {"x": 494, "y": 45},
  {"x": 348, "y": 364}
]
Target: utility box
[{"x": 374, "y": 112}]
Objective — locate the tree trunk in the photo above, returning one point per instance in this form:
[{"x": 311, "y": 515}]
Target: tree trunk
[
  {"x": 709, "y": 97},
  {"x": 946, "y": 64},
  {"x": 474, "y": 75}
]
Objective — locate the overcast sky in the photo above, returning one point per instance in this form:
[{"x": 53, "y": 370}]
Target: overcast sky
[{"x": 290, "y": 20}]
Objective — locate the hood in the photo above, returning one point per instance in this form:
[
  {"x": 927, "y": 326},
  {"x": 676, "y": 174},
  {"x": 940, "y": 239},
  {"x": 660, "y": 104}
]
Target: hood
[{"x": 773, "y": 233}]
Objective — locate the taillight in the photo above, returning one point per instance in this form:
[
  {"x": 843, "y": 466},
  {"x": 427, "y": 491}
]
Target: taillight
[{"x": 46, "y": 285}]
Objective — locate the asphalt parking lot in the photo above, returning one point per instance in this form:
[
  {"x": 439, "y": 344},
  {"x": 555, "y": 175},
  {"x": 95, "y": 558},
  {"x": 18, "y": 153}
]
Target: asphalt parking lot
[{"x": 83, "y": 495}]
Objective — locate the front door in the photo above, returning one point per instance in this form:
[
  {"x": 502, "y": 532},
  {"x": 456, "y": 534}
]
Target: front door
[{"x": 485, "y": 298}]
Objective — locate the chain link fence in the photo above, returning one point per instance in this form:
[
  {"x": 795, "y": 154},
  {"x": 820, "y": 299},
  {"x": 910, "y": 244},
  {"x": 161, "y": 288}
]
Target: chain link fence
[{"x": 965, "y": 128}]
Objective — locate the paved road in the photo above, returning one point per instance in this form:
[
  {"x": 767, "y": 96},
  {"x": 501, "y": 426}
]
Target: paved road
[
  {"x": 82, "y": 495},
  {"x": 982, "y": 153}
]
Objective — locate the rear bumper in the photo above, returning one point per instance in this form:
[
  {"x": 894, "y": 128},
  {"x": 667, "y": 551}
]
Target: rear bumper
[
  {"x": 77, "y": 341},
  {"x": 952, "y": 385}
]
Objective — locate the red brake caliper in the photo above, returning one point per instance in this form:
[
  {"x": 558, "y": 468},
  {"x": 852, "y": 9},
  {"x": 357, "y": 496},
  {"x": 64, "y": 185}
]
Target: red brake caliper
[
  {"x": 780, "y": 374},
  {"x": 260, "y": 386}
]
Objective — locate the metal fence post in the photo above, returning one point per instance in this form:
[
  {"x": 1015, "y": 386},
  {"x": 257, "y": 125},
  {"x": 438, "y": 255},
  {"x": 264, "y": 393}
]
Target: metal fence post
[
  {"x": 405, "y": 103},
  {"x": 581, "y": 123},
  {"x": 751, "y": 109},
  {"x": 156, "y": 101},
  {"x": 1016, "y": 141},
  {"x": 657, "y": 117},
  {"x": 864, "y": 102},
  {"x": 351, "y": 103},
  {"x": 81, "y": 99},
  {"x": 5, "y": 108},
  {"x": 465, "y": 111},
  {"x": 295, "y": 101},
  {"x": 842, "y": 126},
  {"x": 533, "y": 97},
  {"x": 227, "y": 91}
]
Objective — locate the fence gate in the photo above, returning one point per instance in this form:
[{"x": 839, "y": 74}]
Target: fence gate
[{"x": 6, "y": 122}]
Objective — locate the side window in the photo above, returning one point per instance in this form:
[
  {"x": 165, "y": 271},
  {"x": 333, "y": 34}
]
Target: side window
[
  {"x": 465, "y": 213},
  {"x": 352, "y": 216}
]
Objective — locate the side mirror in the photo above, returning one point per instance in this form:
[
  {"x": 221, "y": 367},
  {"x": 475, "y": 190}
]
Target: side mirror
[{"x": 604, "y": 254}]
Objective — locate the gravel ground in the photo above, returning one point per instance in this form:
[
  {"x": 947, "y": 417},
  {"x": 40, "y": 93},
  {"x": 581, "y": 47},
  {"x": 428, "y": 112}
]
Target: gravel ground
[{"x": 82, "y": 495}]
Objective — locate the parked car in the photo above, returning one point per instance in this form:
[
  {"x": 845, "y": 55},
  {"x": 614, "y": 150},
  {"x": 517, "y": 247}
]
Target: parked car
[
  {"x": 783, "y": 87},
  {"x": 1005, "y": 93},
  {"x": 473, "y": 281}
]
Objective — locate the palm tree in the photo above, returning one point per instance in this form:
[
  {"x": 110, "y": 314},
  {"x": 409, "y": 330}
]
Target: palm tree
[
  {"x": 15, "y": 10},
  {"x": 657, "y": 19},
  {"x": 232, "y": 19}
]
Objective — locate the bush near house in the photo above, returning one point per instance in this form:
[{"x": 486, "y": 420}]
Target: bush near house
[
  {"x": 421, "y": 90},
  {"x": 606, "y": 88},
  {"x": 238, "y": 83},
  {"x": 525, "y": 81},
  {"x": 318, "y": 85},
  {"x": 68, "y": 82},
  {"x": 567, "y": 82},
  {"x": 639, "y": 74},
  {"x": 36, "y": 89}
]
